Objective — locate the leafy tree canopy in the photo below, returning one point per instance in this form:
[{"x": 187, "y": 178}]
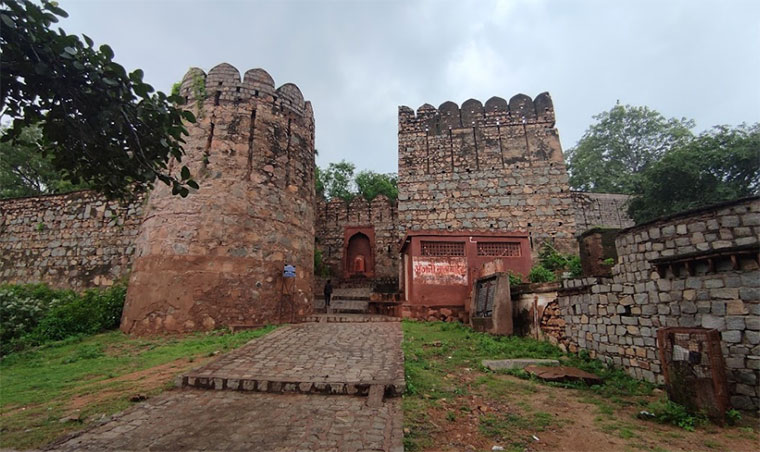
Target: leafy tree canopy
[
  {"x": 718, "y": 165},
  {"x": 620, "y": 145},
  {"x": 338, "y": 181},
  {"x": 371, "y": 184},
  {"x": 100, "y": 125},
  {"x": 26, "y": 171}
]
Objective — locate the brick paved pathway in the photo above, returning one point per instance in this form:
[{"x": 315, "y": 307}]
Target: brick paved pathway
[
  {"x": 196, "y": 419},
  {"x": 335, "y": 355},
  {"x": 337, "y": 358}
]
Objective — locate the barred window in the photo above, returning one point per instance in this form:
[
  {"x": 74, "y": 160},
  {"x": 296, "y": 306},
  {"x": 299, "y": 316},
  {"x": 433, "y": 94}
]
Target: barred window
[
  {"x": 440, "y": 249},
  {"x": 499, "y": 249}
]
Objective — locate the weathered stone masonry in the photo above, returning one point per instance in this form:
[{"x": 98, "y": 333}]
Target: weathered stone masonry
[
  {"x": 497, "y": 167},
  {"x": 77, "y": 240},
  {"x": 697, "y": 269},
  {"x": 216, "y": 257},
  {"x": 334, "y": 216}
]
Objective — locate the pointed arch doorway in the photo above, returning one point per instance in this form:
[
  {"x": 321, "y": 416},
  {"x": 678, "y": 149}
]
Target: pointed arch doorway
[{"x": 359, "y": 252}]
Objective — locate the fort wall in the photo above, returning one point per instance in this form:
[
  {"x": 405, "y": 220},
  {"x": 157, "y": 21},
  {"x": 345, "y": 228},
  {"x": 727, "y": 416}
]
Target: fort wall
[
  {"x": 492, "y": 167},
  {"x": 216, "y": 257},
  {"x": 696, "y": 269},
  {"x": 74, "y": 241},
  {"x": 381, "y": 214},
  {"x": 608, "y": 210}
]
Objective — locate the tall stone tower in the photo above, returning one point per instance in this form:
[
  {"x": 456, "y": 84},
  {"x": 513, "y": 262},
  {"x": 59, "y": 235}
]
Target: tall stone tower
[
  {"x": 216, "y": 258},
  {"x": 496, "y": 167}
]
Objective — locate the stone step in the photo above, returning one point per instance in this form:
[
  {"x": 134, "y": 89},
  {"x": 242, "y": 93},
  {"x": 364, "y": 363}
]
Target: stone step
[
  {"x": 357, "y": 388},
  {"x": 352, "y": 292},
  {"x": 349, "y": 306},
  {"x": 350, "y": 318}
]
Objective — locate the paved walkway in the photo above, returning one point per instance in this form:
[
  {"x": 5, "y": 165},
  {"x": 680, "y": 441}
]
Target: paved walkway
[
  {"x": 336, "y": 358},
  {"x": 195, "y": 419},
  {"x": 344, "y": 360}
]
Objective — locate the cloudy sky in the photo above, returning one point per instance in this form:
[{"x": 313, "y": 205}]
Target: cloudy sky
[{"x": 358, "y": 61}]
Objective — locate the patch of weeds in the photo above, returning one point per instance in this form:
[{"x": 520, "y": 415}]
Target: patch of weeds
[
  {"x": 668, "y": 412},
  {"x": 451, "y": 416},
  {"x": 710, "y": 444},
  {"x": 626, "y": 433},
  {"x": 733, "y": 417}
]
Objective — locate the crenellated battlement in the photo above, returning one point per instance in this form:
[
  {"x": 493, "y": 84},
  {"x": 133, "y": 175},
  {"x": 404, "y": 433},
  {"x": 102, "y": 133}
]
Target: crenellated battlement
[
  {"x": 224, "y": 84},
  {"x": 520, "y": 109}
]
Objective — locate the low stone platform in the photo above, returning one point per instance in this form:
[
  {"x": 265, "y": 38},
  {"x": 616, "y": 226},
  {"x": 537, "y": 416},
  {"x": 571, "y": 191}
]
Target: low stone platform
[
  {"x": 327, "y": 358},
  {"x": 209, "y": 420},
  {"x": 519, "y": 363},
  {"x": 350, "y": 318}
]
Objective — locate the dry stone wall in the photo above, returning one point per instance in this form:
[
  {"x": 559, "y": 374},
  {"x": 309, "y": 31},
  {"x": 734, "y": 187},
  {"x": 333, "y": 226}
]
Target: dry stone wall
[
  {"x": 216, "y": 257},
  {"x": 335, "y": 215},
  {"x": 607, "y": 210},
  {"x": 75, "y": 240},
  {"x": 492, "y": 167},
  {"x": 698, "y": 269}
]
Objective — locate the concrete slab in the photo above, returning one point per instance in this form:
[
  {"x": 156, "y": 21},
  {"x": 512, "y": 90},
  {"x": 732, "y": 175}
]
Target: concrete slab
[{"x": 520, "y": 363}]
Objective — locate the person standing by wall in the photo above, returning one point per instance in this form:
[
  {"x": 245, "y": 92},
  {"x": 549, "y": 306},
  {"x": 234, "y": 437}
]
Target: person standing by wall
[{"x": 328, "y": 294}]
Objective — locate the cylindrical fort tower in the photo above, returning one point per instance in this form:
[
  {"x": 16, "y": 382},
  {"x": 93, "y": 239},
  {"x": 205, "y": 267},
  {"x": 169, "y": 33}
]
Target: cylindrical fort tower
[{"x": 216, "y": 258}]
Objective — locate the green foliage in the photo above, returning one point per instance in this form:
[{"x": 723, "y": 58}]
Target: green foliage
[
  {"x": 515, "y": 279},
  {"x": 175, "y": 88},
  {"x": 320, "y": 268},
  {"x": 26, "y": 171},
  {"x": 371, "y": 184},
  {"x": 336, "y": 180},
  {"x": 100, "y": 125},
  {"x": 719, "y": 165},
  {"x": 35, "y": 314},
  {"x": 556, "y": 262},
  {"x": 623, "y": 143},
  {"x": 668, "y": 412},
  {"x": 733, "y": 417},
  {"x": 609, "y": 262},
  {"x": 540, "y": 274}
]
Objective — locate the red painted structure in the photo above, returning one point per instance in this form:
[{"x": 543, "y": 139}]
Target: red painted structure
[
  {"x": 438, "y": 267},
  {"x": 358, "y": 251}
]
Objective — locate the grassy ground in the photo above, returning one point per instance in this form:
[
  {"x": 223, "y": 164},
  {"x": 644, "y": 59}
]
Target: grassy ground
[
  {"x": 63, "y": 386},
  {"x": 453, "y": 403}
]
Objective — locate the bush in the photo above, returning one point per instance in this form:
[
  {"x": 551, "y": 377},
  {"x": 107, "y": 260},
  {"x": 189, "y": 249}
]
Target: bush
[
  {"x": 539, "y": 274},
  {"x": 668, "y": 412},
  {"x": 556, "y": 262},
  {"x": 35, "y": 314},
  {"x": 515, "y": 279}
]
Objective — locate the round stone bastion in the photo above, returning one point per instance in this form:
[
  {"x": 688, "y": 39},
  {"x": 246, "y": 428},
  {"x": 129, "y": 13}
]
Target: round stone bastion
[{"x": 216, "y": 257}]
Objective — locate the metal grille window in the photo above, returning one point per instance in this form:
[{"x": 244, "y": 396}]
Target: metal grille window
[
  {"x": 484, "y": 295},
  {"x": 499, "y": 249},
  {"x": 442, "y": 249}
]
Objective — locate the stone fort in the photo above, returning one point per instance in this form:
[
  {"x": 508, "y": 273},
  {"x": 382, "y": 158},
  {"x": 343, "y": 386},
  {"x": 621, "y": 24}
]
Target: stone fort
[{"x": 479, "y": 184}]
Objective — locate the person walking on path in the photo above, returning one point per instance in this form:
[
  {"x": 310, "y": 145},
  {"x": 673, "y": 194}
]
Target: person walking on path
[{"x": 328, "y": 295}]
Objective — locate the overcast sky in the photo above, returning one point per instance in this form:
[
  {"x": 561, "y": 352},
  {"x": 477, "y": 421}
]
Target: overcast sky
[{"x": 358, "y": 61}]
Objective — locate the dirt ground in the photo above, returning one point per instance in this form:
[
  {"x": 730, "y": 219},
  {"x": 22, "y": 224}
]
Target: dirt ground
[{"x": 521, "y": 415}]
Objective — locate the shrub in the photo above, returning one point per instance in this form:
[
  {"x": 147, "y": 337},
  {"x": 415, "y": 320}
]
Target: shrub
[
  {"x": 668, "y": 412},
  {"x": 515, "y": 279},
  {"x": 556, "y": 262},
  {"x": 35, "y": 314},
  {"x": 539, "y": 274}
]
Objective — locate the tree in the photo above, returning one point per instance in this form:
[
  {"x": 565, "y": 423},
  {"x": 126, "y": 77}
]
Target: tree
[
  {"x": 370, "y": 184},
  {"x": 620, "y": 145},
  {"x": 25, "y": 171},
  {"x": 100, "y": 125},
  {"x": 336, "y": 180},
  {"x": 718, "y": 165}
]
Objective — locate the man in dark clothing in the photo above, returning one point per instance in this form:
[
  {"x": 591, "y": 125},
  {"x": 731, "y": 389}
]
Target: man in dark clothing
[{"x": 328, "y": 294}]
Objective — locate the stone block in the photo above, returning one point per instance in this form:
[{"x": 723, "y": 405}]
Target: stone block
[
  {"x": 711, "y": 321},
  {"x": 732, "y": 336},
  {"x": 504, "y": 364}
]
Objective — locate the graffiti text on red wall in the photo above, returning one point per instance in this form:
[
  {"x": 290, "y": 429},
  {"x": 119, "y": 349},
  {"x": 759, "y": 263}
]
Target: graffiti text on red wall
[{"x": 445, "y": 271}]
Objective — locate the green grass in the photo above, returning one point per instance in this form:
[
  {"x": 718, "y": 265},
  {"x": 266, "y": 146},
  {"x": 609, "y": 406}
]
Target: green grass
[
  {"x": 37, "y": 386},
  {"x": 438, "y": 354}
]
